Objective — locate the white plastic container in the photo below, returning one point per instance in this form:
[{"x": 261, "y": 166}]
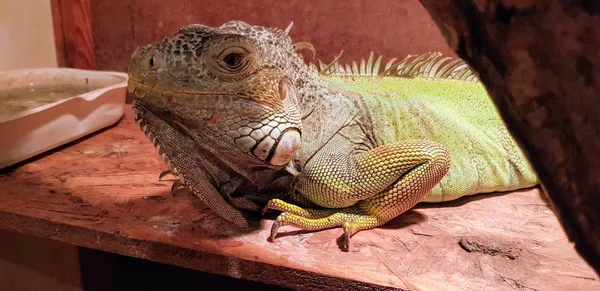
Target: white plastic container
[{"x": 97, "y": 101}]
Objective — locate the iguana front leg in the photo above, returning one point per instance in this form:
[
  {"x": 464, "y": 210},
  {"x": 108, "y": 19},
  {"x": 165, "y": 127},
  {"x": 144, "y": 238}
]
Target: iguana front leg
[{"x": 365, "y": 190}]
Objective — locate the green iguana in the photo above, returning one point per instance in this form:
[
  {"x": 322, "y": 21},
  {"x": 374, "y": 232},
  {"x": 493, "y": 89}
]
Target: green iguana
[{"x": 246, "y": 124}]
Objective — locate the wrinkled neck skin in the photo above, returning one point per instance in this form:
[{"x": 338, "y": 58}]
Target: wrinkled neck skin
[
  {"x": 204, "y": 159},
  {"x": 324, "y": 109},
  {"x": 217, "y": 153}
]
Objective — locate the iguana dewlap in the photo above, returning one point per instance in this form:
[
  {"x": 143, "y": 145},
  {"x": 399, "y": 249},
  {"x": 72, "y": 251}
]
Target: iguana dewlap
[{"x": 236, "y": 106}]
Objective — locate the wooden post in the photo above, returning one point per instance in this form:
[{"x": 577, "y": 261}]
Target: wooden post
[
  {"x": 73, "y": 34},
  {"x": 540, "y": 62}
]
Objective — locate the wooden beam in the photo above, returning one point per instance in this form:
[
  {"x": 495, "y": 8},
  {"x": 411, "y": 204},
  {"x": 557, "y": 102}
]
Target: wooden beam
[
  {"x": 73, "y": 34},
  {"x": 540, "y": 61}
]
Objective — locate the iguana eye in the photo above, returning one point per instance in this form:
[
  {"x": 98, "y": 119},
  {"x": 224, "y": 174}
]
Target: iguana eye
[
  {"x": 233, "y": 59},
  {"x": 153, "y": 62}
]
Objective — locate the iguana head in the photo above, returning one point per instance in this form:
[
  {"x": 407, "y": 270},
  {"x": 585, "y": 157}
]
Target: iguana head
[{"x": 234, "y": 80}]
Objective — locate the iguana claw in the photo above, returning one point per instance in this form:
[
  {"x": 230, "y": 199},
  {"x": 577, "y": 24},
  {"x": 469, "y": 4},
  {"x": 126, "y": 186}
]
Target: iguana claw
[
  {"x": 347, "y": 234},
  {"x": 175, "y": 186},
  {"x": 165, "y": 173},
  {"x": 274, "y": 229},
  {"x": 266, "y": 208},
  {"x": 178, "y": 183}
]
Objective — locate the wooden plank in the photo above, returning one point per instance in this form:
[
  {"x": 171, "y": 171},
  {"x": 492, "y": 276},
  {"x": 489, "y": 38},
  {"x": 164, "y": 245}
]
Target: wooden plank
[
  {"x": 59, "y": 38},
  {"x": 73, "y": 34},
  {"x": 102, "y": 192}
]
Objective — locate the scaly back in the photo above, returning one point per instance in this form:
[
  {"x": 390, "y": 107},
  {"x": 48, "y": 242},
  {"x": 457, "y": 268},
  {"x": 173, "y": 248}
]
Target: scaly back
[{"x": 436, "y": 98}]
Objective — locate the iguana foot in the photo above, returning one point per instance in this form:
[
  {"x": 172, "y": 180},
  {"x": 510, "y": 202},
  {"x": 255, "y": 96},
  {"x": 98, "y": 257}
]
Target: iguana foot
[
  {"x": 350, "y": 222},
  {"x": 351, "y": 219}
]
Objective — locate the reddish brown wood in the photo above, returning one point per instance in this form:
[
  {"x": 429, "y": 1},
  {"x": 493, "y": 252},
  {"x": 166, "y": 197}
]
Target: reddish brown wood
[
  {"x": 102, "y": 192},
  {"x": 59, "y": 38},
  {"x": 540, "y": 61},
  {"x": 73, "y": 34},
  {"x": 393, "y": 28}
]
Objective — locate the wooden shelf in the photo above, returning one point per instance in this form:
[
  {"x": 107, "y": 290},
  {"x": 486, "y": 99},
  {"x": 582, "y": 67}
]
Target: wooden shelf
[{"x": 102, "y": 192}]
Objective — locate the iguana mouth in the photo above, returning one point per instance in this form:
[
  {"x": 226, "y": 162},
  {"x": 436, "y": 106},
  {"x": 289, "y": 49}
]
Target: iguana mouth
[{"x": 134, "y": 86}]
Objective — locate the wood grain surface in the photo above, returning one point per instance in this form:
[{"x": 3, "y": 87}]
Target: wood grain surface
[
  {"x": 73, "y": 34},
  {"x": 103, "y": 192}
]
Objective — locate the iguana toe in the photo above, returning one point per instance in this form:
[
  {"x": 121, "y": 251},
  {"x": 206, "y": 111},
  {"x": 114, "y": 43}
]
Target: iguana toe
[
  {"x": 280, "y": 205},
  {"x": 175, "y": 186}
]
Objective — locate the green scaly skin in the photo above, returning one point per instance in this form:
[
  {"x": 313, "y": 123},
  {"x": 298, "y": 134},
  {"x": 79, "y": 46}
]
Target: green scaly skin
[
  {"x": 454, "y": 113},
  {"x": 368, "y": 148}
]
